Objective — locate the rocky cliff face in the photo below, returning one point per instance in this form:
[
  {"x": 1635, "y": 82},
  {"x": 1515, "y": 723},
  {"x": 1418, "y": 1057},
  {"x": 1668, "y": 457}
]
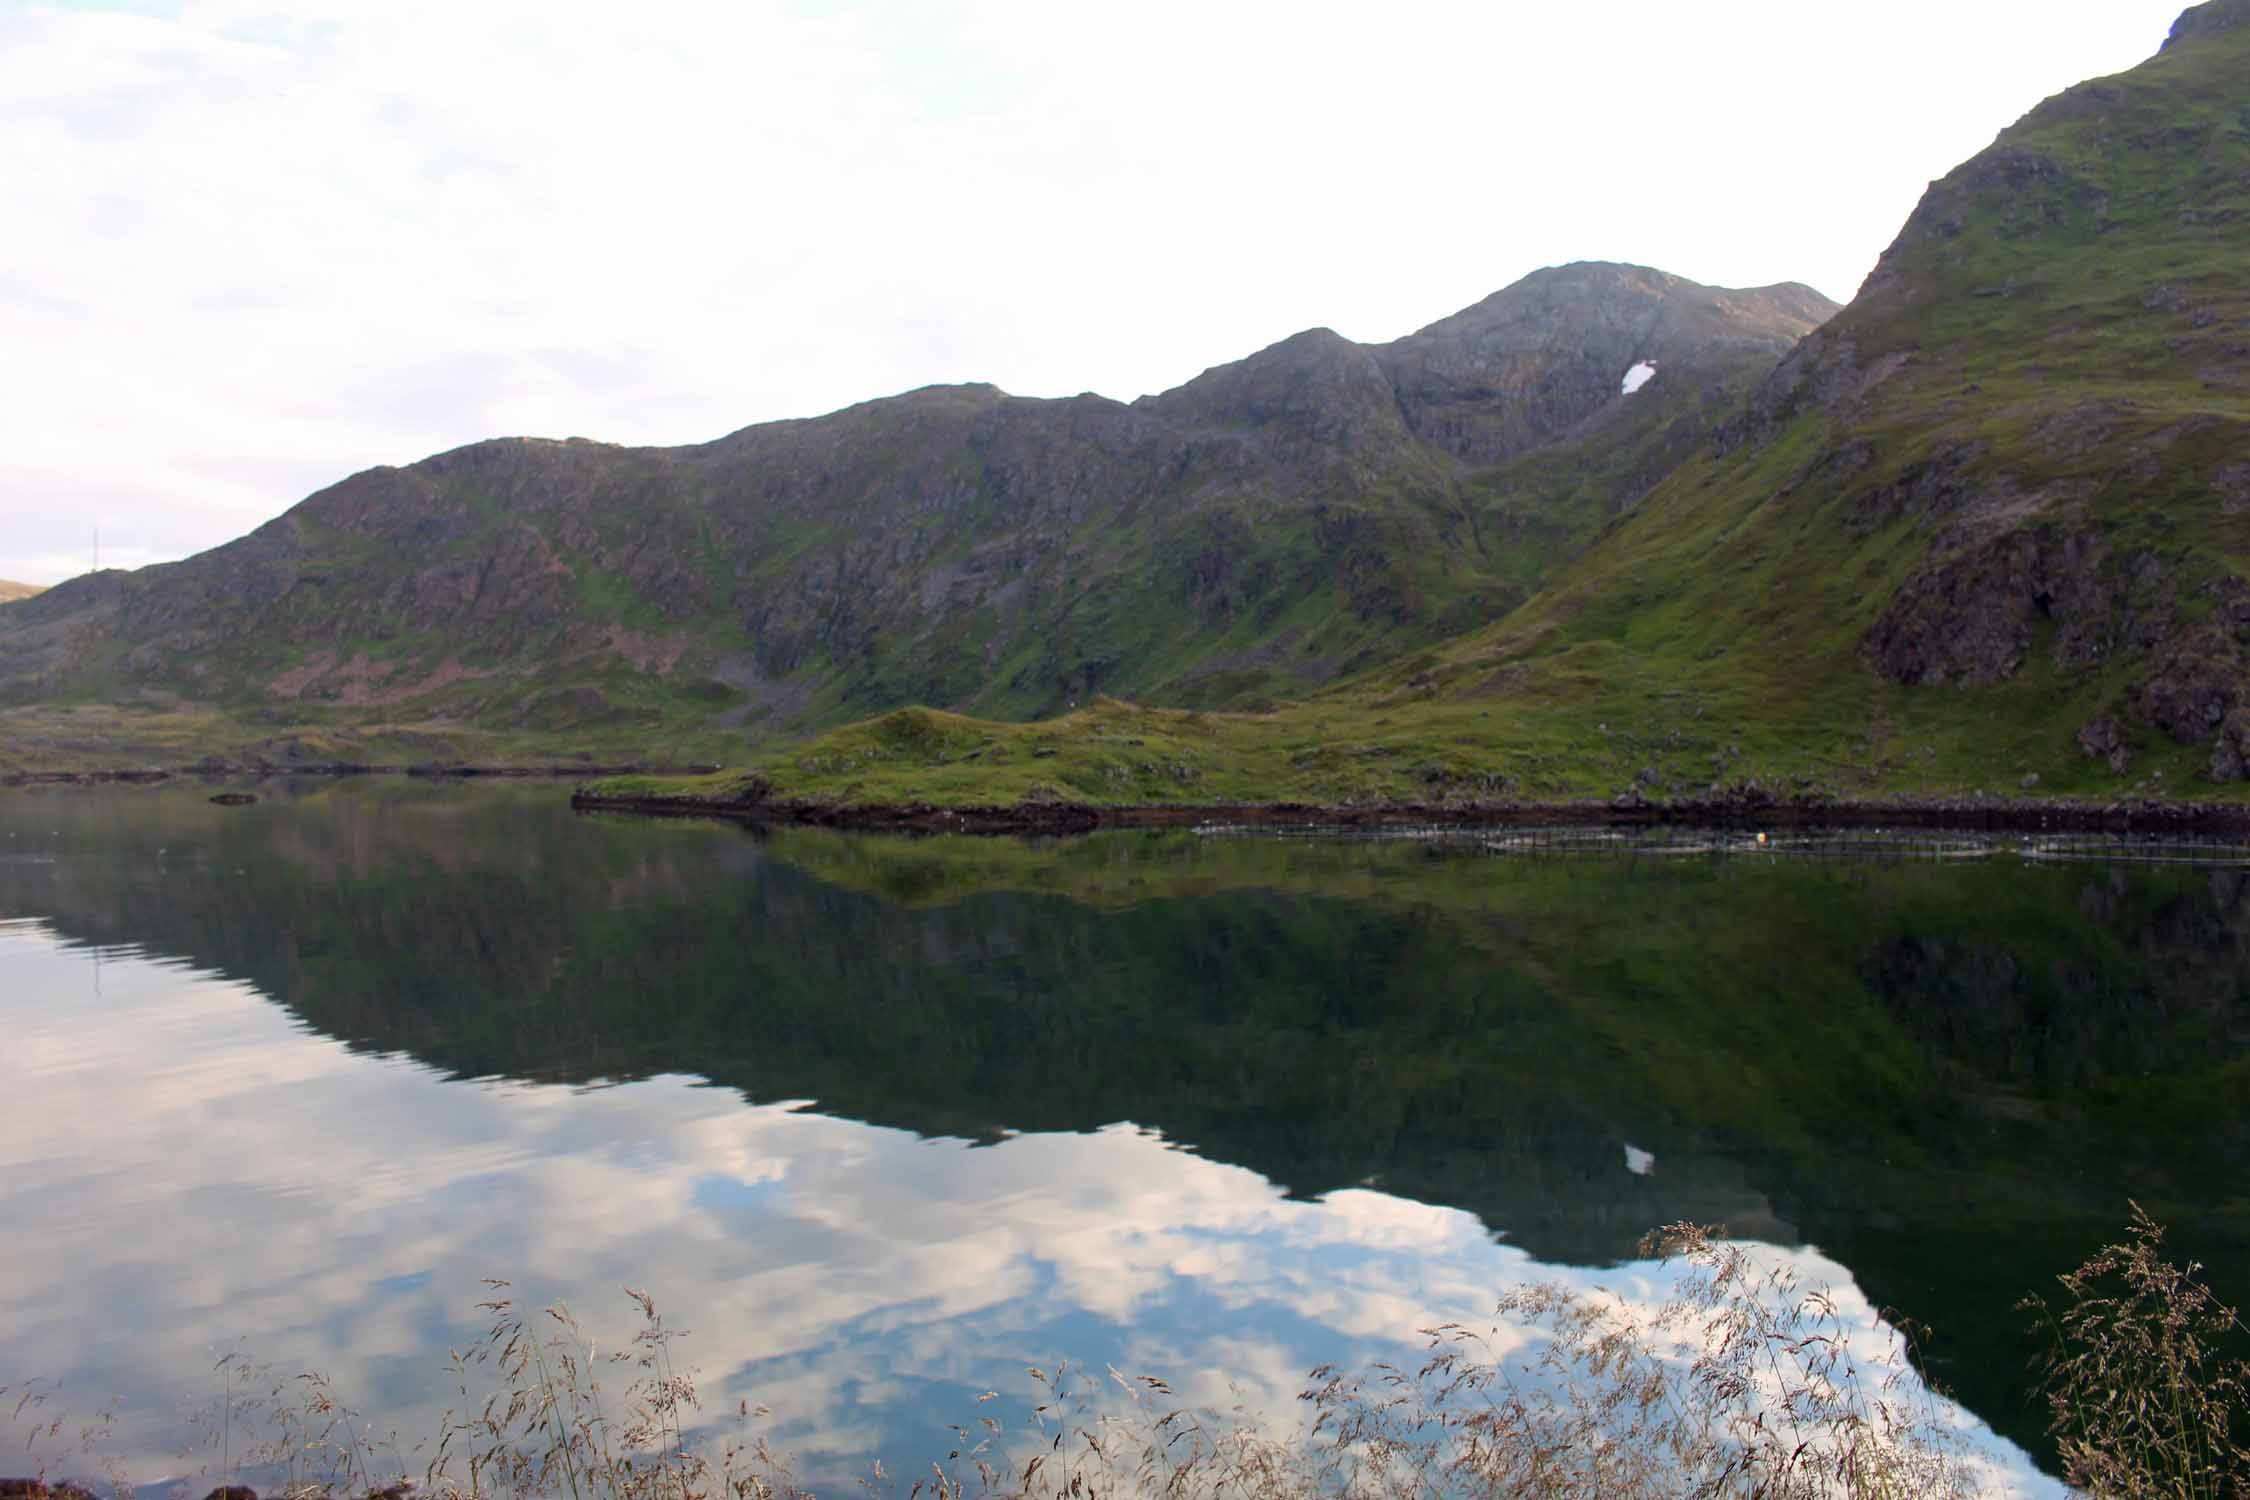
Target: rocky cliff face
[{"x": 1272, "y": 523}]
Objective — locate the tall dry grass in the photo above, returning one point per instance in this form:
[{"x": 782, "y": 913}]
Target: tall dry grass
[
  {"x": 2147, "y": 1395},
  {"x": 1743, "y": 1384}
]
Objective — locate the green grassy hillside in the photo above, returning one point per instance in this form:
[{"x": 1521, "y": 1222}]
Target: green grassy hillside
[{"x": 1988, "y": 529}]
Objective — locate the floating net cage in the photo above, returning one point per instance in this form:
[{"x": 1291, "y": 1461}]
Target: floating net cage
[
  {"x": 1688, "y": 843},
  {"x": 2132, "y": 849},
  {"x": 1446, "y": 833},
  {"x": 1678, "y": 841}
]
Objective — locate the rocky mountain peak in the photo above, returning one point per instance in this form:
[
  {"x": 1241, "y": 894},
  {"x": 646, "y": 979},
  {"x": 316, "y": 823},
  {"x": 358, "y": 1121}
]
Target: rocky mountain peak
[
  {"x": 1560, "y": 341},
  {"x": 1493, "y": 380},
  {"x": 1316, "y": 384},
  {"x": 2142, "y": 164},
  {"x": 1583, "y": 299},
  {"x": 2207, "y": 20}
]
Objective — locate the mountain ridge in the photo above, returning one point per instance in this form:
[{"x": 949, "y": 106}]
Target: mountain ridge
[
  {"x": 1987, "y": 529},
  {"x": 1990, "y": 524},
  {"x": 1255, "y": 532}
]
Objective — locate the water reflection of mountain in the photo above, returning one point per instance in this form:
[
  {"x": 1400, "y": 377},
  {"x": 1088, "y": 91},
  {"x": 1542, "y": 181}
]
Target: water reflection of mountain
[{"x": 1950, "y": 1078}]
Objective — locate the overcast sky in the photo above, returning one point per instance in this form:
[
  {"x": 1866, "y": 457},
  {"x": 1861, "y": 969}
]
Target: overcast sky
[{"x": 250, "y": 246}]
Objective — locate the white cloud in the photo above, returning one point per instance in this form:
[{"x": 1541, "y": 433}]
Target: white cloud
[{"x": 254, "y": 247}]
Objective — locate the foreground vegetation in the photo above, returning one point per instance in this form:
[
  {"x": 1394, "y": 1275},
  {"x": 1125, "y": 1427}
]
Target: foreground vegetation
[{"x": 1745, "y": 1384}]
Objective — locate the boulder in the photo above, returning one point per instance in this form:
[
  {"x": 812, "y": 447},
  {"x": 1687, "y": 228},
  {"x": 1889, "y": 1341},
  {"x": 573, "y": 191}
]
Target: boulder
[
  {"x": 2189, "y": 696},
  {"x": 2230, "y": 752}
]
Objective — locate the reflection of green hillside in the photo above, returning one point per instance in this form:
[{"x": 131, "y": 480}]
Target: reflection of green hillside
[
  {"x": 1950, "y": 1077},
  {"x": 2030, "y": 987}
]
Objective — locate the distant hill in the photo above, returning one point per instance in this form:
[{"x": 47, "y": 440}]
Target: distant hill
[
  {"x": 1273, "y": 524},
  {"x": 10, "y": 591}
]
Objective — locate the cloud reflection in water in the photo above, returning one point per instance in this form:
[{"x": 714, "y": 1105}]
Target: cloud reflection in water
[{"x": 202, "y": 1171}]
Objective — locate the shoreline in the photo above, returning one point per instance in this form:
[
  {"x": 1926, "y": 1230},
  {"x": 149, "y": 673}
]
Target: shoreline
[
  {"x": 264, "y": 771},
  {"x": 1064, "y": 818},
  {"x": 1967, "y": 814}
]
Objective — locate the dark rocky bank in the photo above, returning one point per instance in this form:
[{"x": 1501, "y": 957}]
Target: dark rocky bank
[
  {"x": 212, "y": 769},
  {"x": 1753, "y": 808}
]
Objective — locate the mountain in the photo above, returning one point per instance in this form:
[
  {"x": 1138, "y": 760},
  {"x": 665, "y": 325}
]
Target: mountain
[
  {"x": 1267, "y": 527},
  {"x": 10, "y": 591},
  {"x": 1998, "y": 510},
  {"x": 1987, "y": 529}
]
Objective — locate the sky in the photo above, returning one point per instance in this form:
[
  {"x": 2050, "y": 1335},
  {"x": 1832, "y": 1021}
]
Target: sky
[{"x": 251, "y": 247}]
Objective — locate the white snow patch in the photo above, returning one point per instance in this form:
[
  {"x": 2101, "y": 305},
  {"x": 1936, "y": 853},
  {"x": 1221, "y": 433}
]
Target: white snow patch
[{"x": 1639, "y": 376}]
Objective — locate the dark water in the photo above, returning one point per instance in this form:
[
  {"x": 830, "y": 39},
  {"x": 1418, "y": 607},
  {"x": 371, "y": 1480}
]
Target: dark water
[{"x": 884, "y": 1121}]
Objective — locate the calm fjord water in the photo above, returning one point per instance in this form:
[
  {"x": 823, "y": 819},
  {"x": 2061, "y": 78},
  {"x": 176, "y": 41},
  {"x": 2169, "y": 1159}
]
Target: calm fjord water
[{"x": 883, "y": 1121}]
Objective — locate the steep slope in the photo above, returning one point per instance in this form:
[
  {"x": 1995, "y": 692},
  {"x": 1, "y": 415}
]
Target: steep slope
[
  {"x": 1988, "y": 529},
  {"x": 1274, "y": 523},
  {"x": 1999, "y": 508}
]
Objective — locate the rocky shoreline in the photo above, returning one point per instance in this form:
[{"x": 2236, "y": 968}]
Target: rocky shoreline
[
  {"x": 260, "y": 770},
  {"x": 1753, "y": 810},
  {"x": 1751, "y": 807}
]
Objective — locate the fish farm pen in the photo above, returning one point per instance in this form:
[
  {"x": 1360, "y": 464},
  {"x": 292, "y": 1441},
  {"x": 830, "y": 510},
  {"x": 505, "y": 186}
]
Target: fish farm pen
[{"x": 1686, "y": 842}]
